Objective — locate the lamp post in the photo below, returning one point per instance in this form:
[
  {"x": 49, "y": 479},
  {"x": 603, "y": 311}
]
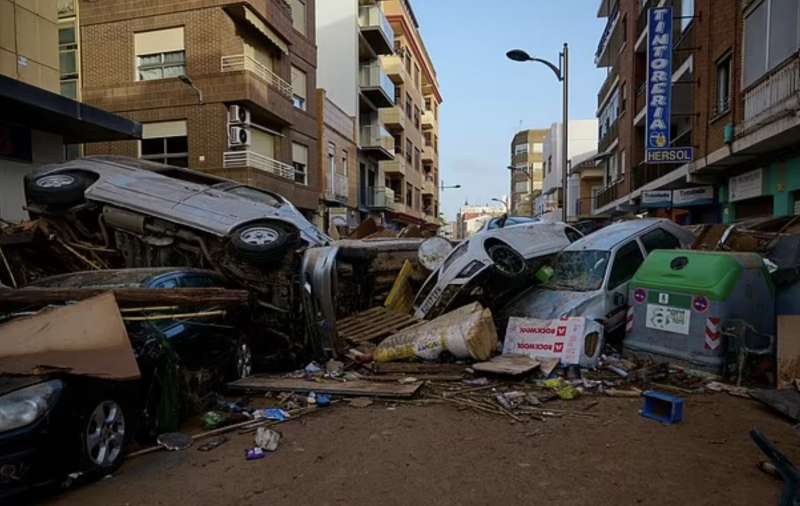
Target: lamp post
[
  {"x": 562, "y": 74},
  {"x": 505, "y": 204},
  {"x": 442, "y": 187}
]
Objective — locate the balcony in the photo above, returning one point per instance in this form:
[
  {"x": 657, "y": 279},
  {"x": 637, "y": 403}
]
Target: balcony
[
  {"x": 239, "y": 62},
  {"x": 337, "y": 188},
  {"x": 608, "y": 137},
  {"x": 376, "y": 29},
  {"x": 428, "y": 120},
  {"x": 244, "y": 159},
  {"x": 610, "y": 194},
  {"x": 429, "y": 186},
  {"x": 610, "y": 42},
  {"x": 380, "y": 198},
  {"x": 394, "y": 118},
  {"x": 395, "y": 68},
  {"x": 777, "y": 94},
  {"x": 396, "y": 166},
  {"x": 644, "y": 173},
  {"x": 376, "y": 140},
  {"x": 611, "y": 79},
  {"x": 376, "y": 86},
  {"x": 428, "y": 155}
]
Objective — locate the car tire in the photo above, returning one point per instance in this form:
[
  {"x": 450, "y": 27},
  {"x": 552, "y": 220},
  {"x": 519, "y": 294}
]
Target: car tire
[
  {"x": 507, "y": 261},
  {"x": 242, "y": 363},
  {"x": 263, "y": 242},
  {"x": 62, "y": 189},
  {"x": 105, "y": 432}
]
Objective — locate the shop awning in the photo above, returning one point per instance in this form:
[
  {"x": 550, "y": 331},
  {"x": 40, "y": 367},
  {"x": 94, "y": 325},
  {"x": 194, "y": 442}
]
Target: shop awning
[{"x": 246, "y": 15}]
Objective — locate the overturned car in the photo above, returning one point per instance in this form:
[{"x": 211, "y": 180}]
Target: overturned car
[{"x": 492, "y": 265}]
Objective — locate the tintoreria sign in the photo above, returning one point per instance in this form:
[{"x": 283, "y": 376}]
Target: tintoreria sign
[{"x": 659, "y": 91}]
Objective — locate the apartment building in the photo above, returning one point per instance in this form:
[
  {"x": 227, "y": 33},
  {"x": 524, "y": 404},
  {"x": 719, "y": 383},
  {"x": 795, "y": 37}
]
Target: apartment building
[
  {"x": 735, "y": 82},
  {"x": 585, "y": 182},
  {"x": 472, "y": 219},
  {"x": 413, "y": 176},
  {"x": 582, "y": 138},
  {"x": 225, "y": 87},
  {"x": 527, "y": 170},
  {"x": 352, "y": 35},
  {"x": 37, "y": 123}
]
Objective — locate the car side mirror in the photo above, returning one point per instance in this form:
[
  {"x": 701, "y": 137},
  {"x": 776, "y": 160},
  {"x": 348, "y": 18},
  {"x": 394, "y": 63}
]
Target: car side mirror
[{"x": 619, "y": 299}]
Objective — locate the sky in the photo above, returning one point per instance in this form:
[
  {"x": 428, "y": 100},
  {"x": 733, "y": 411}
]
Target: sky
[{"x": 488, "y": 98}]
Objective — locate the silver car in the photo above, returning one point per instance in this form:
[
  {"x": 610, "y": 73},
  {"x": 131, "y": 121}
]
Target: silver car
[
  {"x": 590, "y": 277},
  {"x": 261, "y": 226},
  {"x": 491, "y": 264}
]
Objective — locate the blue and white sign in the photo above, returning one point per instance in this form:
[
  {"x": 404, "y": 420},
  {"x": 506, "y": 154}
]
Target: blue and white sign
[
  {"x": 659, "y": 91},
  {"x": 657, "y": 199},
  {"x": 697, "y": 196}
]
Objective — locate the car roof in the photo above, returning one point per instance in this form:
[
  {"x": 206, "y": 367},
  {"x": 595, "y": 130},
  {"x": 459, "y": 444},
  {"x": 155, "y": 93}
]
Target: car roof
[
  {"x": 113, "y": 278},
  {"x": 608, "y": 237}
]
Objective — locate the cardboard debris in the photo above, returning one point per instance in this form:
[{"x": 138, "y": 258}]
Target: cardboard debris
[
  {"x": 401, "y": 297},
  {"x": 467, "y": 332},
  {"x": 512, "y": 365},
  {"x": 560, "y": 339},
  {"x": 86, "y": 339}
]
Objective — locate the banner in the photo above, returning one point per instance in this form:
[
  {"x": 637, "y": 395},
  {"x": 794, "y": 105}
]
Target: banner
[
  {"x": 562, "y": 339},
  {"x": 698, "y": 196},
  {"x": 746, "y": 186},
  {"x": 660, "y": 198}
]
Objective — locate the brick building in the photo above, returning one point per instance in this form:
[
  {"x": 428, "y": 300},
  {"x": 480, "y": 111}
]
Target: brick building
[
  {"x": 736, "y": 78},
  {"x": 226, "y": 87},
  {"x": 527, "y": 170}
]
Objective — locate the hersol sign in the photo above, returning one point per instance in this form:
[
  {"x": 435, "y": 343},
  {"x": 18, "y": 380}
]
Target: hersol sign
[{"x": 659, "y": 91}]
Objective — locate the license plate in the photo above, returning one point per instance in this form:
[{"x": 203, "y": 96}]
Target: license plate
[
  {"x": 669, "y": 319},
  {"x": 430, "y": 301}
]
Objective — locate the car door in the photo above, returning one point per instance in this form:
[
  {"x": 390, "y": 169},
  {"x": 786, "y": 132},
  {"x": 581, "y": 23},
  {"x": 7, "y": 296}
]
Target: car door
[{"x": 627, "y": 260}]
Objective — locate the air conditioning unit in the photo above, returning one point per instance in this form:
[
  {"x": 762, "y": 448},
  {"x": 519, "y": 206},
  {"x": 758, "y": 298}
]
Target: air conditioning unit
[
  {"x": 238, "y": 136},
  {"x": 238, "y": 115}
]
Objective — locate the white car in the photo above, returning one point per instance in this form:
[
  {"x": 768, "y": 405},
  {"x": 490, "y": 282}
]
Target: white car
[
  {"x": 590, "y": 277},
  {"x": 491, "y": 264}
]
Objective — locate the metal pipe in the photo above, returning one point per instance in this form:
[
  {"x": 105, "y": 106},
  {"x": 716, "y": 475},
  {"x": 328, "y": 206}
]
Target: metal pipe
[{"x": 564, "y": 150}]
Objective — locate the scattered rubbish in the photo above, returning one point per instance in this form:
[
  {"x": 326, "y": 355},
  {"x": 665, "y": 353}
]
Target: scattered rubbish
[
  {"x": 433, "y": 251},
  {"x": 785, "y": 468},
  {"x": 769, "y": 468},
  {"x": 334, "y": 368},
  {"x": 572, "y": 341},
  {"x": 619, "y": 371},
  {"x": 407, "y": 380},
  {"x": 613, "y": 392},
  {"x": 311, "y": 400},
  {"x": 477, "y": 382},
  {"x": 275, "y": 414},
  {"x": 174, "y": 441},
  {"x": 533, "y": 400},
  {"x": 563, "y": 389},
  {"x": 362, "y": 402},
  {"x": 254, "y": 454},
  {"x": 213, "y": 444},
  {"x": 662, "y": 407},
  {"x": 267, "y": 439},
  {"x": 716, "y": 386},
  {"x": 355, "y": 387},
  {"x": 323, "y": 400},
  {"x": 467, "y": 332},
  {"x": 214, "y": 420},
  {"x": 786, "y": 402},
  {"x": 313, "y": 369},
  {"x": 512, "y": 365}
]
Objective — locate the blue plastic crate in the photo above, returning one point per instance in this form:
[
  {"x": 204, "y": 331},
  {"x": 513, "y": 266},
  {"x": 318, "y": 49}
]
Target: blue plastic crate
[{"x": 662, "y": 407}]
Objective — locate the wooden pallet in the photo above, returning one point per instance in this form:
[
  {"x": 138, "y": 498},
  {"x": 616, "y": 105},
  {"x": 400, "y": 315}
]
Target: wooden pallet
[{"x": 374, "y": 324}]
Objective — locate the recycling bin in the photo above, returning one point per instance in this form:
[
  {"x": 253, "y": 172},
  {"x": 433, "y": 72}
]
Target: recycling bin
[{"x": 681, "y": 299}]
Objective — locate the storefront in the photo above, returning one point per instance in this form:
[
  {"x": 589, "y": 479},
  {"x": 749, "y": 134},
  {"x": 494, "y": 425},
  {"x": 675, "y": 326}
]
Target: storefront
[
  {"x": 772, "y": 190},
  {"x": 685, "y": 206}
]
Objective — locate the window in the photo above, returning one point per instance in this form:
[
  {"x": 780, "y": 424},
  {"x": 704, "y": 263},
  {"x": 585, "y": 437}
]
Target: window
[
  {"x": 417, "y": 159},
  {"x": 687, "y": 13},
  {"x": 521, "y": 186},
  {"x": 159, "y": 54},
  {"x": 331, "y": 160},
  {"x": 609, "y": 114},
  {"x": 398, "y": 144},
  {"x": 68, "y": 59},
  {"x": 409, "y": 150},
  {"x": 659, "y": 239},
  {"x": 299, "y": 88},
  {"x": 428, "y": 104},
  {"x": 165, "y": 142},
  {"x": 416, "y": 77},
  {"x": 572, "y": 234},
  {"x": 550, "y": 164},
  {"x": 299, "y": 15},
  {"x": 409, "y": 194},
  {"x": 398, "y": 96},
  {"x": 621, "y": 163},
  {"x": 417, "y": 118},
  {"x": 407, "y": 61},
  {"x": 723, "y": 101},
  {"x": 626, "y": 263},
  {"x": 537, "y": 147},
  {"x": 300, "y": 162},
  {"x": 345, "y": 162},
  {"x": 428, "y": 139},
  {"x": 408, "y": 107},
  {"x": 435, "y": 143},
  {"x": 770, "y": 36}
]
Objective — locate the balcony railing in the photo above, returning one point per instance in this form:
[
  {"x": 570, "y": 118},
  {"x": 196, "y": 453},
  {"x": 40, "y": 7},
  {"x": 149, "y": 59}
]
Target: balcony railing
[
  {"x": 775, "y": 94},
  {"x": 337, "y": 187},
  {"x": 428, "y": 120},
  {"x": 608, "y": 136},
  {"x": 376, "y": 136},
  {"x": 606, "y": 87},
  {"x": 380, "y": 198},
  {"x": 605, "y": 39},
  {"x": 238, "y": 62},
  {"x": 372, "y": 16},
  {"x": 373, "y": 76},
  {"x": 644, "y": 173},
  {"x": 243, "y": 159},
  {"x": 609, "y": 194}
]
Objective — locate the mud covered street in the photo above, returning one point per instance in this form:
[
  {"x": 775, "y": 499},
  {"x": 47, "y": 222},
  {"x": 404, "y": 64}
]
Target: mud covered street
[{"x": 436, "y": 454}]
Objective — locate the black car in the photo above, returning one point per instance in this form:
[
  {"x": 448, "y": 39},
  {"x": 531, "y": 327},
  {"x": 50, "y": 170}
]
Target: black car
[{"x": 52, "y": 426}]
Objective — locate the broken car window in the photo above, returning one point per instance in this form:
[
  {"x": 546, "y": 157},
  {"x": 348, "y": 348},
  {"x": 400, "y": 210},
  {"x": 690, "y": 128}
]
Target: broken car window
[
  {"x": 581, "y": 271},
  {"x": 628, "y": 260}
]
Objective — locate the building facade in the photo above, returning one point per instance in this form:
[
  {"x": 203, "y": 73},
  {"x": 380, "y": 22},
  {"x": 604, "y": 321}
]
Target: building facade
[
  {"x": 225, "y": 87},
  {"x": 735, "y": 82},
  {"x": 527, "y": 170},
  {"x": 37, "y": 123},
  {"x": 471, "y": 219}
]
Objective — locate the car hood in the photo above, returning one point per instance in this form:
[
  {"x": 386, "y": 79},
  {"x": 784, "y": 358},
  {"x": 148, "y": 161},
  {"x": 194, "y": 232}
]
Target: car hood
[{"x": 551, "y": 304}]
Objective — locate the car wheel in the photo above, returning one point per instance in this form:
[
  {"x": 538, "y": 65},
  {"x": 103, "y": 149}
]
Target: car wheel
[
  {"x": 104, "y": 436},
  {"x": 507, "y": 260},
  {"x": 262, "y": 242},
  {"x": 63, "y": 189},
  {"x": 242, "y": 366}
]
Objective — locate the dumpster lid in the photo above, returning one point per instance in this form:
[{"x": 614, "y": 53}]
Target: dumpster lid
[{"x": 713, "y": 274}]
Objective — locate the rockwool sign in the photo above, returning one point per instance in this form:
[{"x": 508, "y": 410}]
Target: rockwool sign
[
  {"x": 562, "y": 339},
  {"x": 659, "y": 91}
]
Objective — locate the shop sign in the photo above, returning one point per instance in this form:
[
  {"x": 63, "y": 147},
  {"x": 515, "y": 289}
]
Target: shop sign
[
  {"x": 697, "y": 196},
  {"x": 659, "y": 198},
  {"x": 746, "y": 186}
]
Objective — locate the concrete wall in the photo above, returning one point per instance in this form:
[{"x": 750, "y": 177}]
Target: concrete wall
[
  {"x": 337, "y": 52},
  {"x": 582, "y": 138},
  {"x": 47, "y": 148},
  {"x": 29, "y": 42}
]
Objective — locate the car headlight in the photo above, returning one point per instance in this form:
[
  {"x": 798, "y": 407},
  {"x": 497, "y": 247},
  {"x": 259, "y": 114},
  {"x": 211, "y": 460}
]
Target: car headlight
[
  {"x": 26, "y": 405},
  {"x": 471, "y": 269}
]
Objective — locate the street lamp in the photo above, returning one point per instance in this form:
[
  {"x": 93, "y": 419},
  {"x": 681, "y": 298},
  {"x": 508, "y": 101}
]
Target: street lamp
[
  {"x": 505, "y": 204},
  {"x": 442, "y": 187},
  {"x": 562, "y": 74}
]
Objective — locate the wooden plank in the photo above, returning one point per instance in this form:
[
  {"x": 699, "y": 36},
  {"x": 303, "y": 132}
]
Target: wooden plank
[
  {"x": 361, "y": 318},
  {"x": 353, "y": 388},
  {"x": 414, "y": 368},
  {"x": 401, "y": 296},
  {"x": 788, "y": 357},
  {"x": 384, "y": 324},
  {"x": 512, "y": 365},
  {"x": 382, "y": 319},
  {"x": 384, "y": 332},
  {"x": 151, "y": 296}
]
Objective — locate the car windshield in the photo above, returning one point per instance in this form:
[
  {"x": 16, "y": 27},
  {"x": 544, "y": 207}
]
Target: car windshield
[
  {"x": 580, "y": 271},
  {"x": 256, "y": 196}
]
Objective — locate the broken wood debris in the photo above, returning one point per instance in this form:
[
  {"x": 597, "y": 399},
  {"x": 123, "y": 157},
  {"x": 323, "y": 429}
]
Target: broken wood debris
[{"x": 172, "y": 296}]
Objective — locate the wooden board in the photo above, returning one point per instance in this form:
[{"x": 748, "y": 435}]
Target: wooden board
[
  {"x": 512, "y": 365},
  {"x": 401, "y": 297},
  {"x": 373, "y": 324},
  {"x": 788, "y": 350},
  {"x": 354, "y": 388},
  {"x": 414, "y": 368}
]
